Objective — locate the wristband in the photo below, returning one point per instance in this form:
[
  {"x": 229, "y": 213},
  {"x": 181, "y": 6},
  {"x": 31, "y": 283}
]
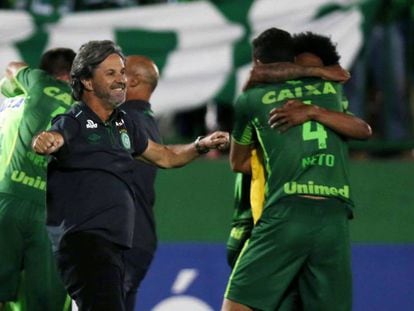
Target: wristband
[{"x": 199, "y": 149}]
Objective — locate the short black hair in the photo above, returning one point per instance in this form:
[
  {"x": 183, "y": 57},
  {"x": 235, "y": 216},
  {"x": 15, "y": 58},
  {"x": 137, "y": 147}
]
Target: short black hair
[
  {"x": 319, "y": 45},
  {"x": 89, "y": 56},
  {"x": 274, "y": 45},
  {"x": 57, "y": 61}
]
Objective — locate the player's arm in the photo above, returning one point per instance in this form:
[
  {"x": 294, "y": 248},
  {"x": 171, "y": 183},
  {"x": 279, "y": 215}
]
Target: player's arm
[
  {"x": 13, "y": 68},
  {"x": 8, "y": 85},
  {"x": 240, "y": 157},
  {"x": 242, "y": 135},
  {"x": 294, "y": 112},
  {"x": 277, "y": 72},
  {"x": 179, "y": 155}
]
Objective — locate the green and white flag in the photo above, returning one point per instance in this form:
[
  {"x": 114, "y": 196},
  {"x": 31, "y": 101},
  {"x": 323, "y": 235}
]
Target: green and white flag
[{"x": 201, "y": 47}]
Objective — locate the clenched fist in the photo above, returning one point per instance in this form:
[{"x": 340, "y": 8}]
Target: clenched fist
[
  {"x": 217, "y": 140},
  {"x": 47, "y": 142}
]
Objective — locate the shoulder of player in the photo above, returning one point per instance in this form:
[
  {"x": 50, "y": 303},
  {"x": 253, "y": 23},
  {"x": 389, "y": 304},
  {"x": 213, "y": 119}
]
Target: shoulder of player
[
  {"x": 32, "y": 79},
  {"x": 32, "y": 73},
  {"x": 131, "y": 117},
  {"x": 253, "y": 93},
  {"x": 136, "y": 114},
  {"x": 76, "y": 112}
]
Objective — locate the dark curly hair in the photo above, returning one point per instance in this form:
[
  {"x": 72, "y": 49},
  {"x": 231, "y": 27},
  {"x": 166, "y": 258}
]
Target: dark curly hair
[
  {"x": 321, "y": 46},
  {"x": 89, "y": 56},
  {"x": 273, "y": 45}
]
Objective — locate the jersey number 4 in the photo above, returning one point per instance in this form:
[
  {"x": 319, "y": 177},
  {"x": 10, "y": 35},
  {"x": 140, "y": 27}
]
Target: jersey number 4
[{"x": 312, "y": 130}]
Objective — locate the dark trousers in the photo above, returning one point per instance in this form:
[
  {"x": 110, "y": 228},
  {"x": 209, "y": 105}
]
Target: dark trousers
[
  {"x": 137, "y": 262},
  {"x": 92, "y": 270}
]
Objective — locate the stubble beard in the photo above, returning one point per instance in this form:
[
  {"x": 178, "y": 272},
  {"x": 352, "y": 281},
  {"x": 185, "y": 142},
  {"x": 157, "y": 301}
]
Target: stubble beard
[{"x": 112, "y": 99}]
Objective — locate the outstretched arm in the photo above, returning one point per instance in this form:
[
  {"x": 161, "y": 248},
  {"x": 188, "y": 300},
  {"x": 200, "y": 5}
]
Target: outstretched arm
[
  {"x": 294, "y": 112},
  {"x": 277, "y": 72},
  {"x": 179, "y": 155}
]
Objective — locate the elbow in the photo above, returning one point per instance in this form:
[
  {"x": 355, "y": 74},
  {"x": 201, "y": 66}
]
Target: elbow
[
  {"x": 240, "y": 168},
  {"x": 366, "y": 132},
  {"x": 234, "y": 167},
  {"x": 12, "y": 68},
  {"x": 360, "y": 131}
]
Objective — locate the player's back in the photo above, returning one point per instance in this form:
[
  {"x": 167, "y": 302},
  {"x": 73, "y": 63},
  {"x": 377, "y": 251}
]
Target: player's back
[
  {"x": 308, "y": 159},
  {"x": 40, "y": 98}
]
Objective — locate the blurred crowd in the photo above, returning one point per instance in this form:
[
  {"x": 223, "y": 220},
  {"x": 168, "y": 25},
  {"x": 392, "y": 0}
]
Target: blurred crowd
[
  {"x": 381, "y": 90},
  {"x": 382, "y": 86}
]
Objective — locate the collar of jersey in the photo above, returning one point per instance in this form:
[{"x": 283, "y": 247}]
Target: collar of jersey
[{"x": 92, "y": 115}]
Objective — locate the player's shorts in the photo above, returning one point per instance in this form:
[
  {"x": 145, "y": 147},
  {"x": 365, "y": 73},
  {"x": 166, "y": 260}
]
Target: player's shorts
[
  {"x": 239, "y": 234},
  {"x": 298, "y": 240},
  {"x": 24, "y": 245}
]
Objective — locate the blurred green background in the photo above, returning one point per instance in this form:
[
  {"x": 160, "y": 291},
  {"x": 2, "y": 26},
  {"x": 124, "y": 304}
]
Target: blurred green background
[{"x": 195, "y": 203}]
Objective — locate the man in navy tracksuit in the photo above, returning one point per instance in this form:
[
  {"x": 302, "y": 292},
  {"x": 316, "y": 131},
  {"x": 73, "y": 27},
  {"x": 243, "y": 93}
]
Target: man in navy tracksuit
[{"x": 90, "y": 195}]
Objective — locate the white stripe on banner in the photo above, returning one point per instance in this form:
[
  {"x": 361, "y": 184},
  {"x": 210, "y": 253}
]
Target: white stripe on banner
[
  {"x": 202, "y": 62},
  {"x": 14, "y": 26}
]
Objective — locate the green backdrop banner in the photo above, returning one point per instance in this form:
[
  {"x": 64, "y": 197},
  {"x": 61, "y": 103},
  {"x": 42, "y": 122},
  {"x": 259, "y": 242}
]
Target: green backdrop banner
[
  {"x": 195, "y": 203},
  {"x": 202, "y": 47}
]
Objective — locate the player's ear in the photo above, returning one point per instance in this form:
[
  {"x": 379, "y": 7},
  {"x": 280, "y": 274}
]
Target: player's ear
[
  {"x": 87, "y": 84},
  {"x": 133, "y": 81}
]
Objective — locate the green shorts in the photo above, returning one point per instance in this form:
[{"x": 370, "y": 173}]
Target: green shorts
[
  {"x": 298, "y": 241},
  {"x": 239, "y": 234},
  {"x": 25, "y": 246}
]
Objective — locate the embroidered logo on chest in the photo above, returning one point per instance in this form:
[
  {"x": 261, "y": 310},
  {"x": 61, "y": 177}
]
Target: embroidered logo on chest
[
  {"x": 94, "y": 138},
  {"x": 126, "y": 142},
  {"x": 120, "y": 123},
  {"x": 91, "y": 125}
]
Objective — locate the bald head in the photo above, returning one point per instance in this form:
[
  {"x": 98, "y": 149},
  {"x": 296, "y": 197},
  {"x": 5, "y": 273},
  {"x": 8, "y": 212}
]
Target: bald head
[{"x": 142, "y": 74}]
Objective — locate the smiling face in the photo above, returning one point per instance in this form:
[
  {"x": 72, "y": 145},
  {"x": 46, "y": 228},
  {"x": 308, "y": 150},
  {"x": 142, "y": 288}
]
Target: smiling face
[{"x": 108, "y": 82}]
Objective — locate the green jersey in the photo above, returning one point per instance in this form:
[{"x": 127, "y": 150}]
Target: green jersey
[
  {"x": 242, "y": 210},
  {"x": 308, "y": 159},
  {"x": 40, "y": 97}
]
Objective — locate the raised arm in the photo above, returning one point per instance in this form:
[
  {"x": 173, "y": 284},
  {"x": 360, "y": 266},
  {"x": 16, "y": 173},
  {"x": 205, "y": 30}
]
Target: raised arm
[
  {"x": 180, "y": 155},
  {"x": 8, "y": 86},
  {"x": 294, "y": 112},
  {"x": 277, "y": 72},
  {"x": 13, "y": 68}
]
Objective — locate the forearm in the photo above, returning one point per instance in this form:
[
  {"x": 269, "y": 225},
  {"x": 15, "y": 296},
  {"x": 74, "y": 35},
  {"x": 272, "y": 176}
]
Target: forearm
[
  {"x": 180, "y": 155},
  {"x": 278, "y": 72},
  {"x": 170, "y": 156},
  {"x": 342, "y": 123}
]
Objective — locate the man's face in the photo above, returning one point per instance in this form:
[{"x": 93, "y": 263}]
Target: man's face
[{"x": 109, "y": 81}]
